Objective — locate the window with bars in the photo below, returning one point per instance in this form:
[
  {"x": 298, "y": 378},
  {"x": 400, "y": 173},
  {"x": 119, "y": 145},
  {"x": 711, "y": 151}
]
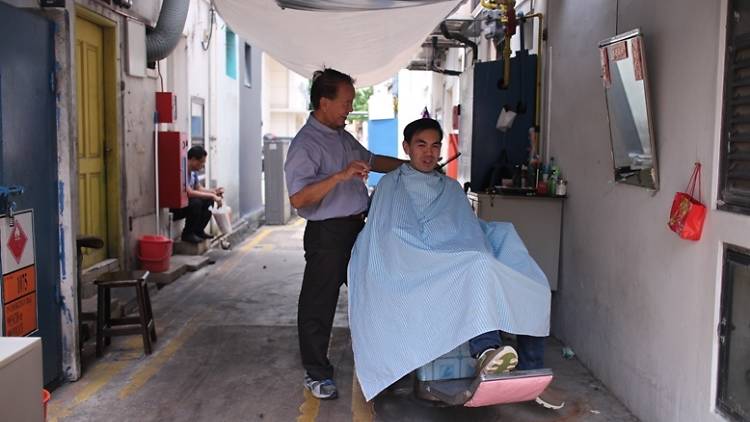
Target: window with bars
[
  {"x": 735, "y": 158},
  {"x": 733, "y": 398}
]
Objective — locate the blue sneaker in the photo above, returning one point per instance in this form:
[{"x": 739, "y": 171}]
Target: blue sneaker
[{"x": 322, "y": 389}]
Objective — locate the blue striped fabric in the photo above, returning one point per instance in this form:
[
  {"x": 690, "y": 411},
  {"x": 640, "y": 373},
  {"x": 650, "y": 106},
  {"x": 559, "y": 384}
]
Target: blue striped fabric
[{"x": 426, "y": 275}]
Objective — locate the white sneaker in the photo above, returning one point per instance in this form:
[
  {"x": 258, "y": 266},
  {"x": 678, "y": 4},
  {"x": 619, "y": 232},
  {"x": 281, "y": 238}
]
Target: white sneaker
[
  {"x": 550, "y": 399},
  {"x": 322, "y": 389},
  {"x": 497, "y": 361}
]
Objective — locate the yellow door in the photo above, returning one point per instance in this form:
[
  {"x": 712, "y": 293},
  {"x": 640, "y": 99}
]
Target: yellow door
[{"x": 92, "y": 198}]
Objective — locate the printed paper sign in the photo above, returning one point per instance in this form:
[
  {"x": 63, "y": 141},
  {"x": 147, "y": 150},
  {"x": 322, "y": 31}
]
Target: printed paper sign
[{"x": 619, "y": 51}]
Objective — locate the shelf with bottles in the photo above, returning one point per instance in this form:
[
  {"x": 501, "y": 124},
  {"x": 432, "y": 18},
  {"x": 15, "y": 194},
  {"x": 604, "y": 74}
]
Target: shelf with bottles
[{"x": 536, "y": 179}]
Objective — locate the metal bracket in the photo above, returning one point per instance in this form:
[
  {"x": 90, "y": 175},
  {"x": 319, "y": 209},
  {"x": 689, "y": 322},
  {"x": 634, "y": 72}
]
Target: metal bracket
[{"x": 6, "y": 192}]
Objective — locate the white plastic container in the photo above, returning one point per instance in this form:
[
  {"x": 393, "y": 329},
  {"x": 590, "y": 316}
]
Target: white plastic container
[{"x": 21, "y": 379}]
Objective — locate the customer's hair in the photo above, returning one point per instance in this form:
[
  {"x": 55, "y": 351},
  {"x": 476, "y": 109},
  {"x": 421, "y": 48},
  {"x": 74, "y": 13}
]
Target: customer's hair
[
  {"x": 419, "y": 125},
  {"x": 197, "y": 152},
  {"x": 325, "y": 84}
]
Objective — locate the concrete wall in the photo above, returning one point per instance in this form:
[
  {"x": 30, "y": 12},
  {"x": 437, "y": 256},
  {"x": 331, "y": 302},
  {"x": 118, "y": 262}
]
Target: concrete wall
[
  {"x": 250, "y": 154},
  {"x": 415, "y": 92},
  {"x": 637, "y": 304},
  {"x": 285, "y": 99},
  {"x": 229, "y": 124},
  {"x": 224, "y": 147}
]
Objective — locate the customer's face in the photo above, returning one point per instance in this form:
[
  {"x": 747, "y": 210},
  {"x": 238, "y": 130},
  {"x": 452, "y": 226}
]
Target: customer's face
[
  {"x": 424, "y": 150},
  {"x": 333, "y": 112}
]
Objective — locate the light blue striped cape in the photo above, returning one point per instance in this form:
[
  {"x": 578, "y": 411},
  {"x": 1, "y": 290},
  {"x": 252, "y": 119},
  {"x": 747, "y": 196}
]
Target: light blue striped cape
[{"x": 426, "y": 275}]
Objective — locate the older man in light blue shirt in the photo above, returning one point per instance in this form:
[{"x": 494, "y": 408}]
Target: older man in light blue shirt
[
  {"x": 325, "y": 171},
  {"x": 317, "y": 153}
]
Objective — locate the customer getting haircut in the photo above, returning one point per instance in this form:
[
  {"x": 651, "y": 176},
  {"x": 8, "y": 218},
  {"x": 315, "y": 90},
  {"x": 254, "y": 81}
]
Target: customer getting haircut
[
  {"x": 419, "y": 125},
  {"x": 196, "y": 153},
  {"x": 326, "y": 84}
]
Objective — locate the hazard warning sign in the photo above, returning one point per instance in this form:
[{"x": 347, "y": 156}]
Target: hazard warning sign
[
  {"x": 18, "y": 287},
  {"x": 17, "y": 242}
]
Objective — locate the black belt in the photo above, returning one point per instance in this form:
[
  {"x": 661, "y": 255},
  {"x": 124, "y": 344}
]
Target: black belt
[{"x": 354, "y": 217}]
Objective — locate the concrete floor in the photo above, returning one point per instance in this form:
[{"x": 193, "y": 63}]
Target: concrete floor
[{"x": 227, "y": 351}]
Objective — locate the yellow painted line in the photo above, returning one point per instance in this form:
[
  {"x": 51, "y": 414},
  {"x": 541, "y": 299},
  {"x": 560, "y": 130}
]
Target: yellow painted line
[
  {"x": 236, "y": 258},
  {"x": 154, "y": 365},
  {"x": 300, "y": 221},
  {"x": 99, "y": 380},
  {"x": 99, "y": 376},
  {"x": 131, "y": 349},
  {"x": 308, "y": 411},
  {"x": 268, "y": 247},
  {"x": 362, "y": 411},
  {"x": 262, "y": 234}
]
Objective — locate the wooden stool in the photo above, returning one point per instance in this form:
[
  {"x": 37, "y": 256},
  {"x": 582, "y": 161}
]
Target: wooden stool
[
  {"x": 82, "y": 242},
  {"x": 106, "y": 326}
]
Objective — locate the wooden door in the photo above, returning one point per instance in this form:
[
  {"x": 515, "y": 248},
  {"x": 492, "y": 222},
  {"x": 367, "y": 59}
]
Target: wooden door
[{"x": 92, "y": 183}]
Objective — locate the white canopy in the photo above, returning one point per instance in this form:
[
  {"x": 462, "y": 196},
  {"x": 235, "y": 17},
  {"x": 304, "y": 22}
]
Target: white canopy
[{"x": 369, "y": 45}]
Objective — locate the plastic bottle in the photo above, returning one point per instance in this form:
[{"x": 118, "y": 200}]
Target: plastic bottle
[{"x": 552, "y": 166}]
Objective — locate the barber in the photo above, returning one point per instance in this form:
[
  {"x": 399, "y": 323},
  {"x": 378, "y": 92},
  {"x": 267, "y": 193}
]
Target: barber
[{"x": 325, "y": 171}]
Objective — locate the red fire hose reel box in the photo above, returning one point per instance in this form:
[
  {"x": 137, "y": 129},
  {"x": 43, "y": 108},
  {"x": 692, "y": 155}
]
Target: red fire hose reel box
[
  {"x": 166, "y": 107},
  {"x": 173, "y": 170}
]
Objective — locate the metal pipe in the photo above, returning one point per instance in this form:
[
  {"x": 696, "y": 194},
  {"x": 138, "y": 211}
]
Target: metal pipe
[
  {"x": 156, "y": 173},
  {"x": 489, "y": 4},
  {"x": 458, "y": 37},
  {"x": 540, "y": 38},
  {"x": 506, "y": 62},
  {"x": 504, "y": 7}
]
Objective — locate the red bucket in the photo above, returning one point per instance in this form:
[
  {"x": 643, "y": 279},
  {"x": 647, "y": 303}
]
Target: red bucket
[
  {"x": 154, "y": 253},
  {"x": 45, "y": 399}
]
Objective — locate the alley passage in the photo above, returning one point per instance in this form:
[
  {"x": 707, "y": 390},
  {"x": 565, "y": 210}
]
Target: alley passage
[{"x": 227, "y": 351}]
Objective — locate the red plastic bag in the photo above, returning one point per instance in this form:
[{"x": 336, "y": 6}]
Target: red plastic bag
[{"x": 687, "y": 215}]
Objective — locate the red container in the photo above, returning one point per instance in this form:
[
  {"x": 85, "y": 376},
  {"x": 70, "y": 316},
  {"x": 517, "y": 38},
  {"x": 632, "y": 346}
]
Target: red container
[
  {"x": 154, "y": 253},
  {"x": 173, "y": 169},
  {"x": 166, "y": 107},
  {"x": 45, "y": 399}
]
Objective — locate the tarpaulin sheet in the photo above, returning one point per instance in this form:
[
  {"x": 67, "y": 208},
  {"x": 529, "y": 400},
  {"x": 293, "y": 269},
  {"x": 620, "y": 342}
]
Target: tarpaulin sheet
[{"x": 372, "y": 46}]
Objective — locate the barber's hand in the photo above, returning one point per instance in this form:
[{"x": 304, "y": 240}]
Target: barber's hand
[
  {"x": 218, "y": 201},
  {"x": 356, "y": 168}
]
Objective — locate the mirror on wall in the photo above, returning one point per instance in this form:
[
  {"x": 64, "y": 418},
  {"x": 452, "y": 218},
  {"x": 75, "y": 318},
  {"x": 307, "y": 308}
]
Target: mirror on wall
[{"x": 623, "y": 66}]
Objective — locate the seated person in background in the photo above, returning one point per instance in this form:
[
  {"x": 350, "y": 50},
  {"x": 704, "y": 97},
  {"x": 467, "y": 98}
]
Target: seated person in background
[
  {"x": 197, "y": 214},
  {"x": 426, "y": 276}
]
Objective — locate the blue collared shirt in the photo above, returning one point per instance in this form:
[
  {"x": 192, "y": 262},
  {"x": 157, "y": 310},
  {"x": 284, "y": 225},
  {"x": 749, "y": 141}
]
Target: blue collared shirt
[
  {"x": 193, "y": 183},
  {"x": 316, "y": 153}
]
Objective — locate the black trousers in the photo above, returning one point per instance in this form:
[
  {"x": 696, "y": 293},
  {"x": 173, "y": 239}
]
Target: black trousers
[
  {"x": 328, "y": 247},
  {"x": 196, "y": 214}
]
